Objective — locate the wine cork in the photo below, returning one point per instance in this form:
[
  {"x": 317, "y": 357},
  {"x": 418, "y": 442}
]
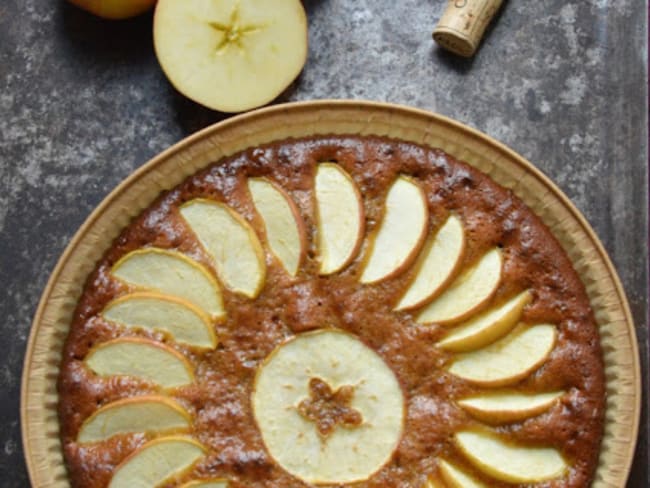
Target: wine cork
[{"x": 463, "y": 24}]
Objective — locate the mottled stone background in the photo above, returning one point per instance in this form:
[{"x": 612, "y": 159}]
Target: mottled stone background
[{"x": 83, "y": 103}]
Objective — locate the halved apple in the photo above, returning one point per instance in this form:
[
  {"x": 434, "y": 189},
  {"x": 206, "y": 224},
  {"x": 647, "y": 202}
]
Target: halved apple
[
  {"x": 216, "y": 483},
  {"x": 472, "y": 289},
  {"x": 499, "y": 408},
  {"x": 286, "y": 408},
  {"x": 508, "y": 360},
  {"x": 140, "y": 358},
  {"x": 439, "y": 261},
  {"x": 509, "y": 462},
  {"x": 285, "y": 230},
  {"x": 339, "y": 216},
  {"x": 401, "y": 232},
  {"x": 231, "y": 55},
  {"x": 456, "y": 477},
  {"x": 148, "y": 310},
  {"x": 156, "y": 462},
  {"x": 231, "y": 242},
  {"x": 486, "y": 327},
  {"x": 149, "y": 414},
  {"x": 171, "y": 273}
]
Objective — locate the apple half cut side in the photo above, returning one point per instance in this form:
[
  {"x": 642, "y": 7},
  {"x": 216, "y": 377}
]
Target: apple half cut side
[
  {"x": 401, "y": 233},
  {"x": 215, "y": 483},
  {"x": 231, "y": 243},
  {"x": 440, "y": 260},
  {"x": 171, "y": 273},
  {"x": 509, "y": 462},
  {"x": 329, "y": 409},
  {"x": 230, "y": 55},
  {"x": 501, "y": 408},
  {"x": 487, "y": 327},
  {"x": 340, "y": 217},
  {"x": 285, "y": 230},
  {"x": 157, "y": 461},
  {"x": 456, "y": 477},
  {"x": 186, "y": 323},
  {"x": 140, "y": 358},
  {"x": 508, "y": 360},
  {"x": 148, "y": 414},
  {"x": 467, "y": 293}
]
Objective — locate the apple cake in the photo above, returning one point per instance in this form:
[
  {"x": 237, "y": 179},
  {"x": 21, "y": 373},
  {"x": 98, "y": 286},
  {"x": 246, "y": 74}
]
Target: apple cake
[{"x": 333, "y": 310}]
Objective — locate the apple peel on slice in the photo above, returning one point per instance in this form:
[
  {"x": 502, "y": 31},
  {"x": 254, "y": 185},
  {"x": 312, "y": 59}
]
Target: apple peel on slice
[
  {"x": 440, "y": 259},
  {"x": 148, "y": 414},
  {"x": 508, "y": 360},
  {"x": 339, "y": 217},
  {"x": 456, "y": 477},
  {"x": 467, "y": 293},
  {"x": 231, "y": 242},
  {"x": 230, "y": 55},
  {"x": 510, "y": 462},
  {"x": 285, "y": 230},
  {"x": 487, "y": 327},
  {"x": 401, "y": 233},
  {"x": 504, "y": 407},
  {"x": 328, "y": 407},
  {"x": 171, "y": 273},
  {"x": 215, "y": 483},
  {"x": 140, "y": 358},
  {"x": 186, "y": 323},
  {"x": 157, "y": 461}
]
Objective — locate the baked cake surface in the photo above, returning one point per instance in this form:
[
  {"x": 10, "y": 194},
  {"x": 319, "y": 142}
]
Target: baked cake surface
[{"x": 528, "y": 386}]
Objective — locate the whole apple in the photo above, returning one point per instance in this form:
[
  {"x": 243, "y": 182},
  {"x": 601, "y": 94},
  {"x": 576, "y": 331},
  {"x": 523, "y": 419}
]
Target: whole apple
[{"x": 115, "y": 9}]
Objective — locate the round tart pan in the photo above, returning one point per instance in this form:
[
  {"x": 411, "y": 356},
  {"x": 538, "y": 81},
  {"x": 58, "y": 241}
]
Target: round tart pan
[{"x": 40, "y": 430}]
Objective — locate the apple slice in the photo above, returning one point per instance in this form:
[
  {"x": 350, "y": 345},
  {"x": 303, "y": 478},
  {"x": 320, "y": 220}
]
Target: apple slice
[
  {"x": 472, "y": 289},
  {"x": 171, "y": 273},
  {"x": 340, "y": 217},
  {"x": 140, "y": 358},
  {"x": 231, "y": 55},
  {"x": 510, "y": 462},
  {"x": 157, "y": 461},
  {"x": 231, "y": 242},
  {"x": 456, "y": 477},
  {"x": 149, "y": 414},
  {"x": 329, "y": 409},
  {"x": 486, "y": 327},
  {"x": 216, "y": 483},
  {"x": 500, "y": 408},
  {"x": 148, "y": 310},
  {"x": 285, "y": 230},
  {"x": 401, "y": 233},
  {"x": 508, "y": 360},
  {"x": 439, "y": 262}
]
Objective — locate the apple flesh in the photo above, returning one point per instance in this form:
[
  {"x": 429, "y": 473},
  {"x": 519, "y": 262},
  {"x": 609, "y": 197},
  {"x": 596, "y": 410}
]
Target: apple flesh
[
  {"x": 486, "y": 327},
  {"x": 216, "y": 483},
  {"x": 401, "y": 233},
  {"x": 231, "y": 242},
  {"x": 510, "y": 462},
  {"x": 140, "y": 358},
  {"x": 148, "y": 414},
  {"x": 184, "y": 322},
  {"x": 157, "y": 461},
  {"x": 171, "y": 273},
  {"x": 230, "y": 55},
  {"x": 456, "y": 477},
  {"x": 115, "y": 9},
  {"x": 467, "y": 293},
  {"x": 501, "y": 408},
  {"x": 508, "y": 360},
  {"x": 339, "y": 217},
  {"x": 439, "y": 262},
  {"x": 285, "y": 230}
]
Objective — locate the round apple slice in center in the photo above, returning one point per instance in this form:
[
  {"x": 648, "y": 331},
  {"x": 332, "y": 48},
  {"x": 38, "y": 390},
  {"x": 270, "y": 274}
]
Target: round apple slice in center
[
  {"x": 401, "y": 232},
  {"x": 231, "y": 242},
  {"x": 328, "y": 407}
]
